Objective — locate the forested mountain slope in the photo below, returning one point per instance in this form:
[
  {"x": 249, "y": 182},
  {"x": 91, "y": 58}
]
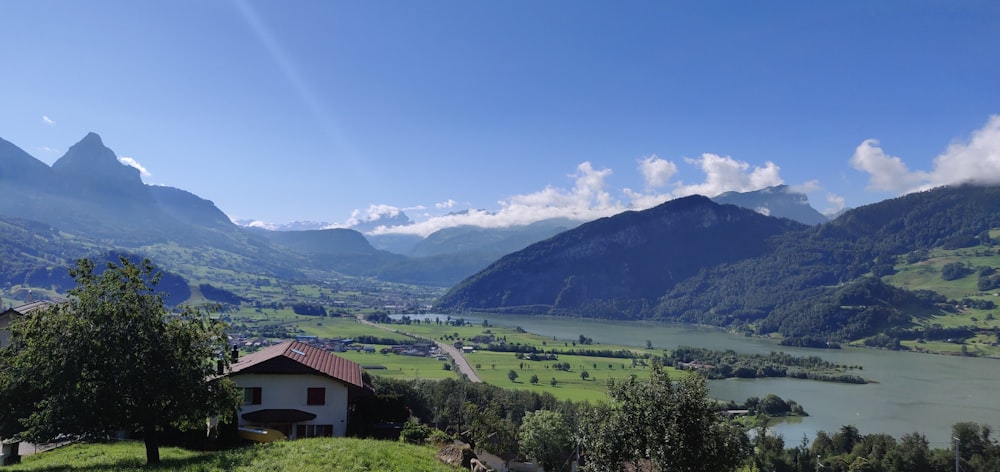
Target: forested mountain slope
[
  {"x": 800, "y": 281},
  {"x": 618, "y": 266}
]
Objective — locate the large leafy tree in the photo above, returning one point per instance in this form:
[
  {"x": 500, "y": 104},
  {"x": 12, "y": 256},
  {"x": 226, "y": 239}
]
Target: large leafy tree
[
  {"x": 657, "y": 425},
  {"x": 112, "y": 358},
  {"x": 545, "y": 436}
]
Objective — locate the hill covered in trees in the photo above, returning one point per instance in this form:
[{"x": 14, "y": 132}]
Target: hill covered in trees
[{"x": 694, "y": 261}]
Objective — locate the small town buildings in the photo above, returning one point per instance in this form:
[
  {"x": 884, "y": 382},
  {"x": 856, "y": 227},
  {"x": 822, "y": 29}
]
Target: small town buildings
[{"x": 297, "y": 389}]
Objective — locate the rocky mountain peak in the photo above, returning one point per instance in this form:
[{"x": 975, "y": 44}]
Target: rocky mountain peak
[
  {"x": 779, "y": 201},
  {"x": 90, "y": 158}
]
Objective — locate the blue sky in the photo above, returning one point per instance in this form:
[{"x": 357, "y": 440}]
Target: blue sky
[{"x": 333, "y": 110}]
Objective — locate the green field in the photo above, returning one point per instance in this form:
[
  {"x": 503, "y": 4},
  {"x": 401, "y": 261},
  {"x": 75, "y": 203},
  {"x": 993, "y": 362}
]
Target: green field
[
  {"x": 400, "y": 367},
  {"x": 495, "y": 366},
  {"x": 926, "y": 274},
  {"x": 316, "y": 454}
]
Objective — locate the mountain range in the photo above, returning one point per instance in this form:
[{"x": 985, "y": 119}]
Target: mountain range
[
  {"x": 693, "y": 260},
  {"x": 761, "y": 262},
  {"x": 88, "y": 201}
]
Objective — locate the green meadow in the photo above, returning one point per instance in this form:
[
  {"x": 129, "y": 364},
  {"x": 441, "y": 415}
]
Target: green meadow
[
  {"x": 494, "y": 368},
  {"x": 585, "y": 380},
  {"x": 926, "y": 274},
  {"x": 306, "y": 455}
]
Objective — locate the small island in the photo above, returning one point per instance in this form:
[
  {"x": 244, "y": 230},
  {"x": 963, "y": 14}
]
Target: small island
[{"x": 727, "y": 364}]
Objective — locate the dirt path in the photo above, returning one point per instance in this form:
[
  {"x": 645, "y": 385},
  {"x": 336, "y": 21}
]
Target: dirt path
[{"x": 454, "y": 353}]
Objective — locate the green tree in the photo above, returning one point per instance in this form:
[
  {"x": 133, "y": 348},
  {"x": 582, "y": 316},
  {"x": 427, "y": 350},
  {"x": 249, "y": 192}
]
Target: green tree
[
  {"x": 913, "y": 454},
  {"x": 493, "y": 431},
  {"x": 773, "y": 405},
  {"x": 769, "y": 449},
  {"x": 512, "y": 375},
  {"x": 534, "y": 379},
  {"x": 545, "y": 436},
  {"x": 954, "y": 270},
  {"x": 673, "y": 426},
  {"x": 584, "y": 375},
  {"x": 110, "y": 358}
]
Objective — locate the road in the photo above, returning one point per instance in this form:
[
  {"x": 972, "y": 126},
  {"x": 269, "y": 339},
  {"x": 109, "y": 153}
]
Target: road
[{"x": 452, "y": 351}]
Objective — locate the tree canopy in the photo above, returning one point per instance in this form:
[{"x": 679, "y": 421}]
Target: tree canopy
[
  {"x": 545, "y": 436},
  {"x": 112, "y": 358},
  {"x": 659, "y": 425}
]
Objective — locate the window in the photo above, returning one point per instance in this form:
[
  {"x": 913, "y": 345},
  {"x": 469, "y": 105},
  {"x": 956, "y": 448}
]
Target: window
[
  {"x": 313, "y": 430},
  {"x": 316, "y": 396},
  {"x": 251, "y": 395}
]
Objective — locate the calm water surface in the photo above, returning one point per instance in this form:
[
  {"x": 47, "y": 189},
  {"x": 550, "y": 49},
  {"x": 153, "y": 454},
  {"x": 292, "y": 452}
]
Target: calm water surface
[{"x": 913, "y": 392}]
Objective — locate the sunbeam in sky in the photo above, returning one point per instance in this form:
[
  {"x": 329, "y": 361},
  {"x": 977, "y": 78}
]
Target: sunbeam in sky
[{"x": 508, "y": 111}]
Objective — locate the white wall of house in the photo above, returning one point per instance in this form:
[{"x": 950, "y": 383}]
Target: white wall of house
[{"x": 280, "y": 391}]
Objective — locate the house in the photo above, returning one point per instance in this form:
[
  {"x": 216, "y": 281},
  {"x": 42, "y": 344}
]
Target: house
[
  {"x": 298, "y": 389},
  {"x": 7, "y": 316}
]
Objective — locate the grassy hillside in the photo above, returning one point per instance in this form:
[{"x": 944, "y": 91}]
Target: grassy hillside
[
  {"x": 319, "y": 454},
  {"x": 968, "y": 308}
]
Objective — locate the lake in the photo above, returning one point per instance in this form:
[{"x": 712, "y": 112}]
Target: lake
[{"x": 912, "y": 392}]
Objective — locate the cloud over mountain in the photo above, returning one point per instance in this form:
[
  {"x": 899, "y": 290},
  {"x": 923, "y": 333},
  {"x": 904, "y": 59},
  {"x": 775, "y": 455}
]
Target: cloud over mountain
[
  {"x": 974, "y": 160},
  {"x": 590, "y": 195},
  {"x": 134, "y": 164},
  {"x": 590, "y": 198}
]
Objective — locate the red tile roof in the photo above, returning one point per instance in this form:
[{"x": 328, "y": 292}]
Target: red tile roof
[{"x": 318, "y": 360}]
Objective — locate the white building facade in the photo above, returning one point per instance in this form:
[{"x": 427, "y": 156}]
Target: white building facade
[{"x": 297, "y": 389}]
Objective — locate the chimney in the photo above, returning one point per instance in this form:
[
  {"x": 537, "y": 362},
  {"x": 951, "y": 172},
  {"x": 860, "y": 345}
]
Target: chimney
[
  {"x": 31, "y": 297},
  {"x": 234, "y": 357},
  {"x": 218, "y": 367}
]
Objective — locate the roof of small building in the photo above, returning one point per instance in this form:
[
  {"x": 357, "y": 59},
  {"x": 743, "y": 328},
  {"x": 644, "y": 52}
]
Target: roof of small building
[
  {"x": 28, "y": 307},
  {"x": 293, "y": 357}
]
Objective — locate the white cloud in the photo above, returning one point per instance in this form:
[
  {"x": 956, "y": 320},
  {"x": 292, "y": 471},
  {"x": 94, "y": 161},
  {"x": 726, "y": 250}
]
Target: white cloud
[
  {"x": 47, "y": 120},
  {"x": 587, "y": 200},
  {"x": 256, "y": 224},
  {"x": 725, "y": 174},
  {"x": 133, "y": 163},
  {"x": 836, "y": 204},
  {"x": 373, "y": 213},
  {"x": 448, "y": 204},
  {"x": 886, "y": 172},
  {"x": 656, "y": 172},
  {"x": 974, "y": 160},
  {"x": 806, "y": 187},
  {"x": 589, "y": 197}
]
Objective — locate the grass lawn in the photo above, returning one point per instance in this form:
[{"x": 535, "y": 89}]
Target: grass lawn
[{"x": 318, "y": 454}]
